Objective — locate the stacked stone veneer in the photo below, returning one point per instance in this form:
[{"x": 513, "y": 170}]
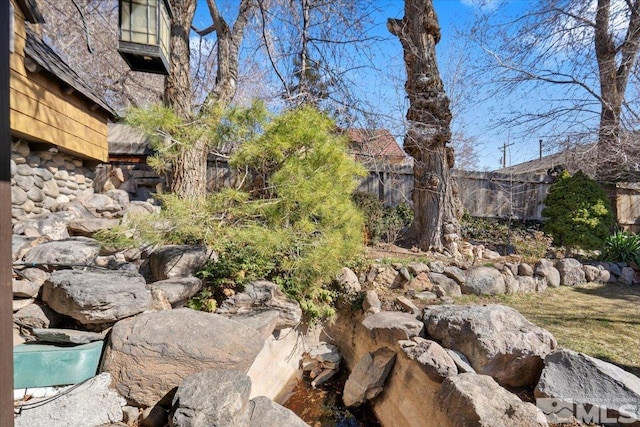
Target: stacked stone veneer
[{"x": 41, "y": 180}]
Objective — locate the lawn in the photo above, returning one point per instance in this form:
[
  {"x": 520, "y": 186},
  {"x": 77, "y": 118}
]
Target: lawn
[{"x": 602, "y": 321}]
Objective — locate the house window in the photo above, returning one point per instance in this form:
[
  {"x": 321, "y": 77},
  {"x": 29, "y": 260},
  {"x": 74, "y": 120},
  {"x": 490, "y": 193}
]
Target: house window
[{"x": 12, "y": 17}]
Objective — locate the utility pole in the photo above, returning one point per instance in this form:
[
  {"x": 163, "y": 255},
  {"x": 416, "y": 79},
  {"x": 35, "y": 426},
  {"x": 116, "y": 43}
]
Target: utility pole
[
  {"x": 6, "y": 293},
  {"x": 540, "y": 142},
  {"x": 504, "y": 153}
]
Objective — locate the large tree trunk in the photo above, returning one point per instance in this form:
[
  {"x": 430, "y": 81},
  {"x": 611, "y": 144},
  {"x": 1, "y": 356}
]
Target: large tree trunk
[
  {"x": 435, "y": 202},
  {"x": 612, "y": 146},
  {"x": 188, "y": 178}
]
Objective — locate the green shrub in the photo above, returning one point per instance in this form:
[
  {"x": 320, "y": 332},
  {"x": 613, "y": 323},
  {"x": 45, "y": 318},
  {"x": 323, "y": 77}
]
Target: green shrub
[
  {"x": 297, "y": 230},
  {"x": 384, "y": 224},
  {"x": 622, "y": 246},
  {"x": 577, "y": 212}
]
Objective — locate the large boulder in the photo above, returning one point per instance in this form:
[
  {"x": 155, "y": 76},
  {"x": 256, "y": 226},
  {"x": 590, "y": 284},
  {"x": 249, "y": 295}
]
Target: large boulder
[
  {"x": 91, "y": 404},
  {"x": 75, "y": 251},
  {"x": 497, "y": 340},
  {"x": 152, "y": 353},
  {"x": 477, "y": 400},
  {"x": 96, "y": 297},
  {"x": 571, "y": 272},
  {"x": 90, "y": 226},
  {"x": 583, "y": 384},
  {"x": 545, "y": 269},
  {"x": 263, "y": 295},
  {"x": 178, "y": 290},
  {"x": 172, "y": 261},
  {"x": 212, "y": 398},
  {"x": 484, "y": 281},
  {"x": 444, "y": 285},
  {"x": 432, "y": 358},
  {"x": 37, "y": 316},
  {"x": 367, "y": 378},
  {"x": 348, "y": 281},
  {"x": 264, "y": 412},
  {"x": 390, "y": 326}
]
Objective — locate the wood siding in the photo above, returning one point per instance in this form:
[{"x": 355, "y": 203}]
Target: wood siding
[{"x": 42, "y": 112}]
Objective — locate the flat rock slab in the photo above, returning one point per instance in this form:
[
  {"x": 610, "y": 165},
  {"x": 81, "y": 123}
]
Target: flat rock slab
[
  {"x": 391, "y": 326},
  {"x": 368, "y": 376},
  {"x": 74, "y": 251},
  {"x": 150, "y": 354},
  {"x": 96, "y": 297},
  {"x": 577, "y": 379},
  {"x": 213, "y": 398},
  {"x": 477, "y": 400},
  {"x": 93, "y": 403},
  {"x": 497, "y": 340},
  {"x": 66, "y": 336}
]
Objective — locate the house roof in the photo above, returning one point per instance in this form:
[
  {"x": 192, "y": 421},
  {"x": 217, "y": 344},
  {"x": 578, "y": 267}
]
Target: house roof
[
  {"x": 579, "y": 157},
  {"x": 125, "y": 140},
  {"x": 371, "y": 144},
  {"x": 45, "y": 57}
]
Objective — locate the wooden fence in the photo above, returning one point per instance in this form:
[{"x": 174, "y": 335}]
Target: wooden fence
[{"x": 483, "y": 194}]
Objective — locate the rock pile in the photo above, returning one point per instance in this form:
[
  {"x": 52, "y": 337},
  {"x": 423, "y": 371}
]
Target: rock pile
[
  {"x": 435, "y": 282},
  {"x": 321, "y": 362},
  {"x": 69, "y": 290},
  {"x": 454, "y": 365}
]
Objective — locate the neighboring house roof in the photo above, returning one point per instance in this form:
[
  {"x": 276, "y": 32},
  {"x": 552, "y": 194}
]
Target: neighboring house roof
[
  {"x": 38, "y": 51},
  {"x": 579, "y": 157},
  {"x": 125, "y": 140},
  {"x": 30, "y": 11},
  {"x": 375, "y": 144}
]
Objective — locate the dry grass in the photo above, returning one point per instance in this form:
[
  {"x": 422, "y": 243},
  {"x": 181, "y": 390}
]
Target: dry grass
[{"x": 602, "y": 321}]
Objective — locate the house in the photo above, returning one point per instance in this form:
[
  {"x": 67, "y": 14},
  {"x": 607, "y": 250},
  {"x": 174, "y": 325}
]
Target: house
[
  {"x": 390, "y": 169},
  {"x": 58, "y": 123}
]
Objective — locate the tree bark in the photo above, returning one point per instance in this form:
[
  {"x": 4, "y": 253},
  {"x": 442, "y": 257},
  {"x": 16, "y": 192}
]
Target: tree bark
[
  {"x": 435, "y": 202},
  {"x": 189, "y": 172},
  {"x": 229, "y": 40},
  {"x": 188, "y": 177},
  {"x": 613, "y": 84}
]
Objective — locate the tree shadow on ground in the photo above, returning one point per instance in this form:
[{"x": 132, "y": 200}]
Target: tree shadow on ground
[{"x": 613, "y": 291}]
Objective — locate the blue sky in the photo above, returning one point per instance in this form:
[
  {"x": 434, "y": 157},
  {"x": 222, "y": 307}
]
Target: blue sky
[{"x": 383, "y": 88}]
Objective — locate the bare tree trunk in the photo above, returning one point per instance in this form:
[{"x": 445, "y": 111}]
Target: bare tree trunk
[
  {"x": 229, "y": 40},
  {"x": 189, "y": 173},
  {"x": 613, "y": 84},
  {"x": 177, "y": 90},
  {"x": 435, "y": 203},
  {"x": 188, "y": 177}
]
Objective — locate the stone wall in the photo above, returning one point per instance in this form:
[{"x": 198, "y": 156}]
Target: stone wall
[{"x": 41, "y": 180}]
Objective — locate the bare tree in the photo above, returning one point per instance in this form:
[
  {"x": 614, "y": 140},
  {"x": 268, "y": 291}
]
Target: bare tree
[
  {"x": 436, "y": 208},
  {"x": 315, "y": 47},
  {"x": 574, "y": 62}
]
